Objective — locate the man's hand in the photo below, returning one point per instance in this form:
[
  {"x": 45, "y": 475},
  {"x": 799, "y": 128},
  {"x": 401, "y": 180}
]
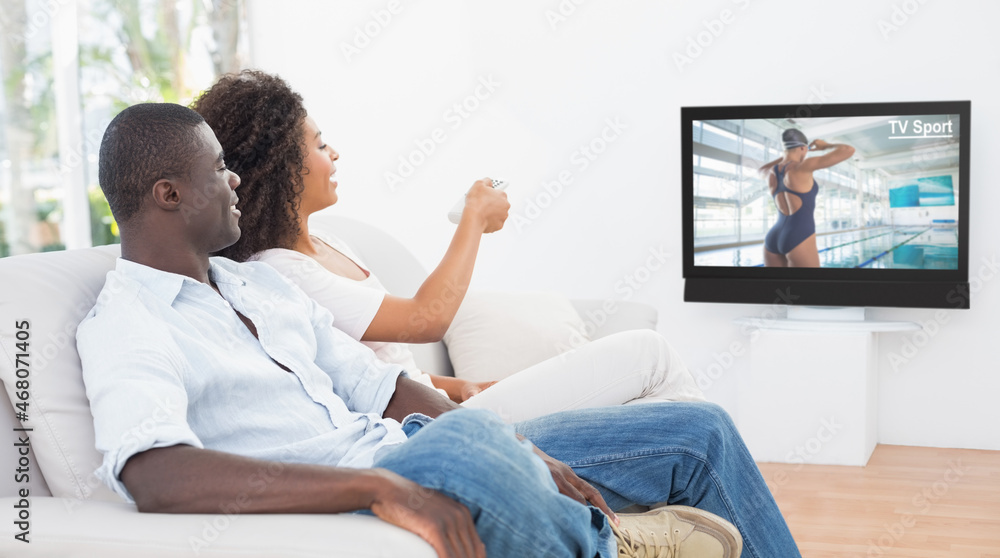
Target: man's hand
[
  {"x": 573, "y": 486},
  {"x": 444, "y": 523}
]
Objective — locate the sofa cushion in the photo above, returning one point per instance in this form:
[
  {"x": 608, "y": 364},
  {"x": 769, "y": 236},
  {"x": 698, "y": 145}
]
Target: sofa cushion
[
  {"x": 495, "y": 334},
  {"x": 53, "y": 292},
  {"x": 66, "y": 528}
]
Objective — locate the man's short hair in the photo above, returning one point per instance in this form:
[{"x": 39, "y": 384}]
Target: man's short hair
[{"x": 143, "y": 144}]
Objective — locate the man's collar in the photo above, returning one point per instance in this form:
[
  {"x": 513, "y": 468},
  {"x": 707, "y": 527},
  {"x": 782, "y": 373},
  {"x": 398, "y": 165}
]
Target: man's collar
[{"x": 167, "y": 285}]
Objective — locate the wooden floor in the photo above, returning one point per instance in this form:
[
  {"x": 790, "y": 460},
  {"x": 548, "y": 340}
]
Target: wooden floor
[{"x": 907, "y": 502}]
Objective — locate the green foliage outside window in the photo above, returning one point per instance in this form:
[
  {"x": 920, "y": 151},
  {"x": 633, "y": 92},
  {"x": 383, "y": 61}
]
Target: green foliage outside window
[{"x": 103, "y": 228}]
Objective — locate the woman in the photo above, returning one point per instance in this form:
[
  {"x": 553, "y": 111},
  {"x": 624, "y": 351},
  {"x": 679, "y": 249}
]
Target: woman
[
  {"x": 791, "y": 242},
  {"x": 288, "y": 173}
]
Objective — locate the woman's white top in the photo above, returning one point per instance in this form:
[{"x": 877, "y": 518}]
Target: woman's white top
[{"x": 352, "y": 303}]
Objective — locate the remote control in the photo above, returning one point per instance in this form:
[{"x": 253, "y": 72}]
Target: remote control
[{"x": 455, "y": 215}]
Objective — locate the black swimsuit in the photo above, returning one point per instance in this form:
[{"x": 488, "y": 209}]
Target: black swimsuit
[{"x": 791, "y": 230}]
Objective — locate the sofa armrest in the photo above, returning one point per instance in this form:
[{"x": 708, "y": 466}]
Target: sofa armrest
[{"x": 66, "y": 528}]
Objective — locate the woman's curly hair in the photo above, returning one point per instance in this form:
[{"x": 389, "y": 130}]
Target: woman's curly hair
[{"x": 258, "y": 119}]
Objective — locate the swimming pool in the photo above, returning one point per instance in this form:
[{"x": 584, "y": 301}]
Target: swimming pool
[{"x": 902, "y": 247}]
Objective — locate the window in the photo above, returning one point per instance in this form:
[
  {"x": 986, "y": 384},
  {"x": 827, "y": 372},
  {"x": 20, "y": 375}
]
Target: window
[{"x": 68, "y": 67}]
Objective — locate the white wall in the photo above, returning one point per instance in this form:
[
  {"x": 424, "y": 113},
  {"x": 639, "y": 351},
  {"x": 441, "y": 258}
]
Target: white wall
[{"x": 557, "y": 89}]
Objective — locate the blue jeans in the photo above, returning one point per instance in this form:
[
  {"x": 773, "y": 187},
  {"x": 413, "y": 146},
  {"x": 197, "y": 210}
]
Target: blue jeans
[{"x": 681, "y": 453}]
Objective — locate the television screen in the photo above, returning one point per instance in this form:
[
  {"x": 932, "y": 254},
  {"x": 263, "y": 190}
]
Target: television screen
[{"x": 871, "y": 198}]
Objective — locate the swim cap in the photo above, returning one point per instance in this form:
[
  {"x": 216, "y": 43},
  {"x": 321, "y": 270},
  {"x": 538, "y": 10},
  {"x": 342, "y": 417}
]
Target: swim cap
[{"x": 793, "y": 138}]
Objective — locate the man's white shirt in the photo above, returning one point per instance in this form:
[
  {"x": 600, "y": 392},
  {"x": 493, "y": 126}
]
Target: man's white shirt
[{"x": 167, "y": 361}]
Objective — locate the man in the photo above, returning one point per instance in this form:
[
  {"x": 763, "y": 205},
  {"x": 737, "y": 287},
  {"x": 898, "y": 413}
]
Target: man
[{"x": 201, "y": 371}]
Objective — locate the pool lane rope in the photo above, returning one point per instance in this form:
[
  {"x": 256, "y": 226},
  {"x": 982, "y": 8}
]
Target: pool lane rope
[{"x": 871, "y": 260}]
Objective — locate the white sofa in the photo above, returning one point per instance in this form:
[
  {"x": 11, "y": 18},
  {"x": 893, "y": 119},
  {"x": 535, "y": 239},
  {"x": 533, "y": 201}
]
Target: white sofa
[{"x": 71, "y": 514}]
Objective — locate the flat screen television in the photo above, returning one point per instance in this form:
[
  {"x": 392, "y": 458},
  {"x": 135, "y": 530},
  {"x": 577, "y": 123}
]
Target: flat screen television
[{"x": 851, "y": 205}]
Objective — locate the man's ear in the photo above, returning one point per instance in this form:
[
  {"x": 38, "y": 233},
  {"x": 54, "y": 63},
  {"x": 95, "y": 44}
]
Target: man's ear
[{"x": 167, "y": 194}]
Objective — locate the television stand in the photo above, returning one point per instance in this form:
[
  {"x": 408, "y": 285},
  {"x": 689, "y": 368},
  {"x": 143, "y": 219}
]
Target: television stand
[{"x": 811, "y": 395}]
